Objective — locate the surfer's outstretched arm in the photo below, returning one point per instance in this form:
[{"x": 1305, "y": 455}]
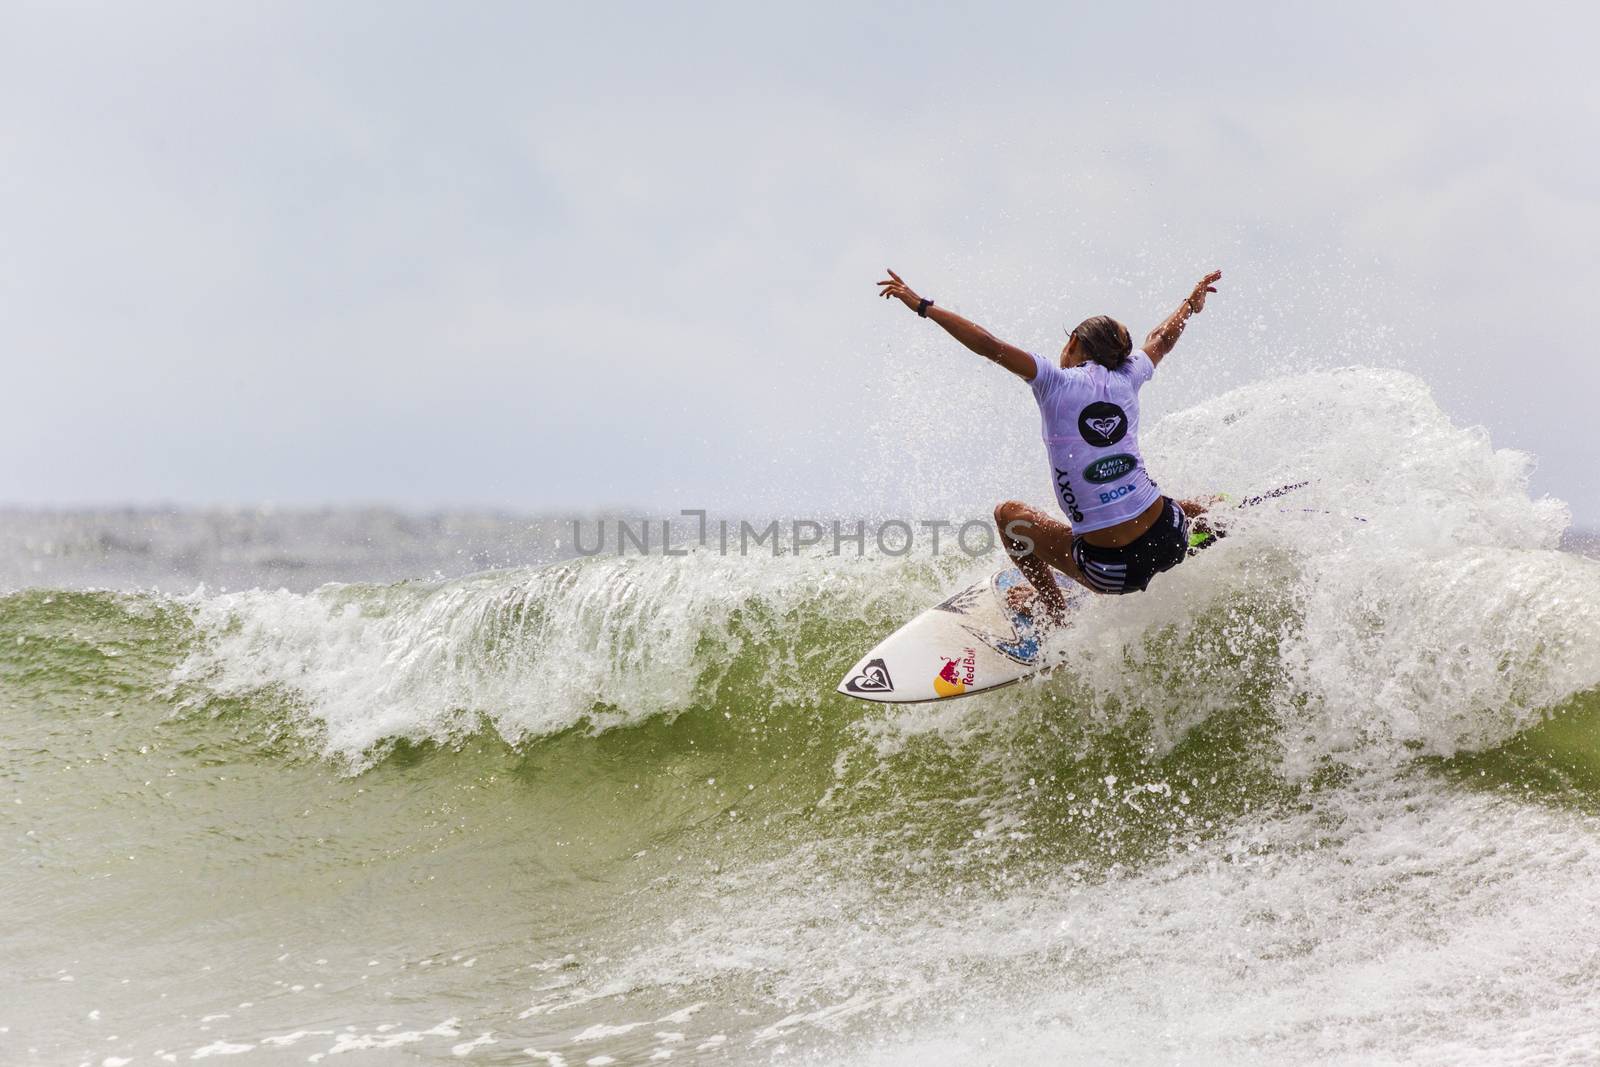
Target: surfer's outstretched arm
[
  {"x": 964, "y": 330},
  {"x": 1164, "y": 337}
]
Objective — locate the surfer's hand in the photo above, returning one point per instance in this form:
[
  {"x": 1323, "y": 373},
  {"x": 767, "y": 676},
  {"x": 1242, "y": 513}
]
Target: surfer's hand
[
  {"x": 1197, "y": 299},
  {"x": 892, "y": 286}
]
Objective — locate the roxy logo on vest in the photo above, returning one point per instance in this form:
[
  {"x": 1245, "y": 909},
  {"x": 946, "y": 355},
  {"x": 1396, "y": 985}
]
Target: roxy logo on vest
[
  {"x": 1068, "y": 497},
  {"x": 1103, "y": 424}
]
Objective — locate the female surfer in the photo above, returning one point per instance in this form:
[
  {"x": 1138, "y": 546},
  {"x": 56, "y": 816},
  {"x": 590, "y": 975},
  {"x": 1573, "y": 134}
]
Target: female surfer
[{"x": 1123, "y": 532}]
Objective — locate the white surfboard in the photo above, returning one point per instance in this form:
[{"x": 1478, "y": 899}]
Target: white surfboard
[
  {"x": 980, "y": 639},
  {"x": 973, "y": 642}
]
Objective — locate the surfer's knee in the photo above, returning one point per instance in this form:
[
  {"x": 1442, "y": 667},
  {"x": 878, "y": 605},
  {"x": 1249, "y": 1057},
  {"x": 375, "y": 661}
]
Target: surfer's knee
[
  {"x": 1015, "y": 522},
  {"x": 1008, "y": 511}
]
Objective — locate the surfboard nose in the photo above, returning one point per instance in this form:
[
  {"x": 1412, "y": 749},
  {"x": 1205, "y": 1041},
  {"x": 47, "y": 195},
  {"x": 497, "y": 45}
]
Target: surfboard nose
[
  {"x": 850, "y": 686},
  {"x": 870, "y": 679}
]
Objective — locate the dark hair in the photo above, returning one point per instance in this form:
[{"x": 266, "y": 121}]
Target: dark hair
[{"x": 1104, "y": 340}]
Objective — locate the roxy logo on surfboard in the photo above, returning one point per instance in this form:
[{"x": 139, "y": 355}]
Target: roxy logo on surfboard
[
  {"x": 956, "y": 674},
  {"x": 874, "y": 678},
  {"x": 1103, "y": 424}
]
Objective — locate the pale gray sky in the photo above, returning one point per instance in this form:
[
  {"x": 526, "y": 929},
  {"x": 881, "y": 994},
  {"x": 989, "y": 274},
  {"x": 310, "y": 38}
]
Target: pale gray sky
[{"x": 549, "y": 257}]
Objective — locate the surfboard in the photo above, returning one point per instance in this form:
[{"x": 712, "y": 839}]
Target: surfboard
[{"x": 982, "y": 638}]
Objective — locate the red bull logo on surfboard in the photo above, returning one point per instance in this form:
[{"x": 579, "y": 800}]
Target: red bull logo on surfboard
[{"x": 956, "y": 674}]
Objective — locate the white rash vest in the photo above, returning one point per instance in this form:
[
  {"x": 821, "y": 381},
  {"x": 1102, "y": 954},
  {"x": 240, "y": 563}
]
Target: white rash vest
[{"x": 1090, "y": 417}]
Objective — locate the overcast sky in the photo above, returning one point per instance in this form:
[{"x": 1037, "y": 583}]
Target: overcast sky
[{"x": 547, "y": 257}]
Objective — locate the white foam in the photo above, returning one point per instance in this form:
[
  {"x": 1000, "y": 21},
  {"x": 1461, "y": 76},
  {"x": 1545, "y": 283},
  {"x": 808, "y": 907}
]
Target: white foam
[
  {"x": 466, "y": 1048},
  {"x": 1411, "y": 599},
  {"x": 1398, "y": 917},
  {"x": 602, "y": 641}
]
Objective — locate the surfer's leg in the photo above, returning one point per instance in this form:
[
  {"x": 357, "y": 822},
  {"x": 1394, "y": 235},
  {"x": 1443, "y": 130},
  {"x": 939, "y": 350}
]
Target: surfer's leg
[{"x": 1036, "y": 542}]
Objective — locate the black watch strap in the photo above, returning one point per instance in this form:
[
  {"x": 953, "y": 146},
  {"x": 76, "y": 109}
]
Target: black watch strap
[{"x": 923, "y": 305}]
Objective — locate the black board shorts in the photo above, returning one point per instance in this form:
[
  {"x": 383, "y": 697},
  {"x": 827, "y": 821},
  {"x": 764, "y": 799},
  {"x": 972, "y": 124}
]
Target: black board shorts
[{"x": 1129, "y": 569}]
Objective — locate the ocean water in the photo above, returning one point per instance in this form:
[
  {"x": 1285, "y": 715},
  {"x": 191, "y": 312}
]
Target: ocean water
[{"x": 360, "y": 788}]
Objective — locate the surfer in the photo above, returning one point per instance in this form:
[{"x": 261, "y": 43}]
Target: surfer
[{"x": 1122, "y": 530}]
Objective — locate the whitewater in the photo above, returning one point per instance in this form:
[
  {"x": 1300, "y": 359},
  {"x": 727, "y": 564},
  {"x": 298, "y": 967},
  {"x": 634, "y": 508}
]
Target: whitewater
[{"x": 1328, "y": 792}]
